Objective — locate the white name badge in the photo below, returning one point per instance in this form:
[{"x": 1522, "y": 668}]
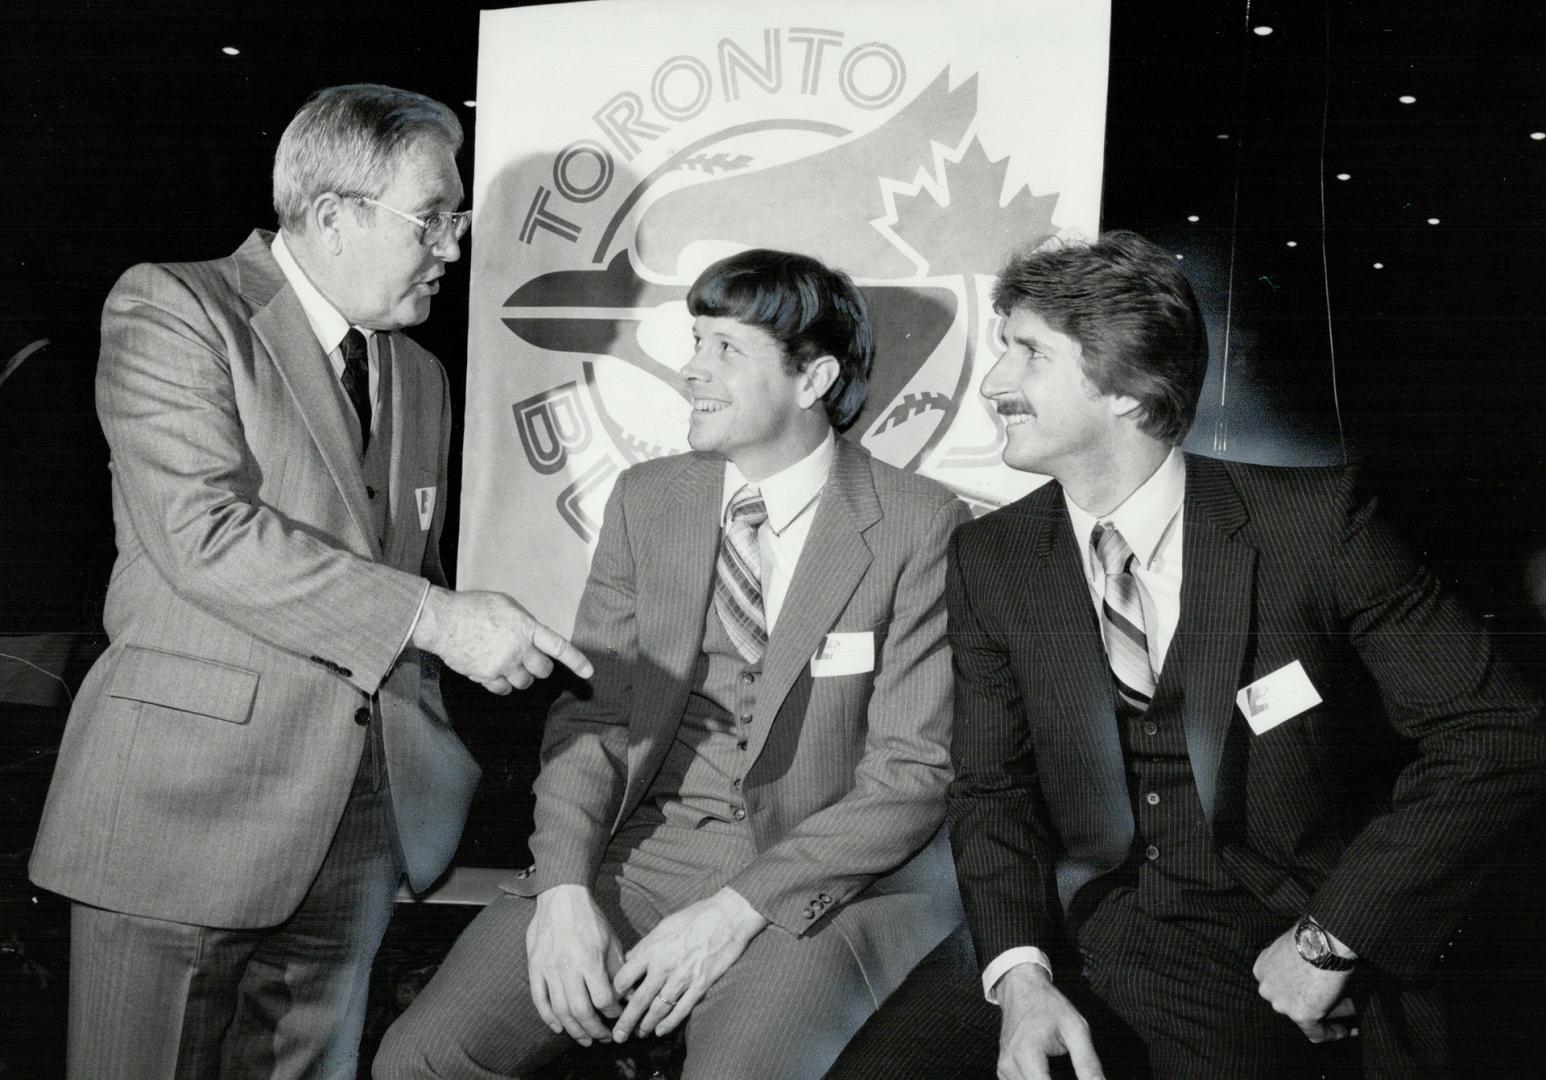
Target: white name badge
[
  {"x": 424, "y": 499},
  {"x": 844, "y": 654},
  {"x": 1274, "y": 698}
]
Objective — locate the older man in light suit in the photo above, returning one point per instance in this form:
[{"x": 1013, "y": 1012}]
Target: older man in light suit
[
  {"x": 261, "y": 754},
  {"x": 738, "y": 828}
]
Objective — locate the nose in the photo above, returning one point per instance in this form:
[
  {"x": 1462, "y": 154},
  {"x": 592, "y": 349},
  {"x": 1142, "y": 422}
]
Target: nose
[
  {"x": 448, "y": 250},
  {"x": 693, "y": 371},
  {"x": 1000, "y": 378}
]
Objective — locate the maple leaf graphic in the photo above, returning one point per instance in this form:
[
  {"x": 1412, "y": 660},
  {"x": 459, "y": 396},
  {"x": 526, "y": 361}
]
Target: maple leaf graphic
[
  {"x": 956, "y": 237},
  {"x": 967, "y": 234}
]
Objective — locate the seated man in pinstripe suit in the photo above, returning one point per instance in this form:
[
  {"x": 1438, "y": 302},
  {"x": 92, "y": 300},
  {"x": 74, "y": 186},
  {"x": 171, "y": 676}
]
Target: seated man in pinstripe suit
[
  {"x": 1228, "y": 759},
  {"x": 738, "y": 824}
]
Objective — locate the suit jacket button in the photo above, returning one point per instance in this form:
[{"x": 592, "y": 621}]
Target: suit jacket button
[
  {"x": 824, "y": 898},
  {"x": 362, "y": 716},
  {"x": 810, "y": 913},
  {"x": 738, "y": 813}
]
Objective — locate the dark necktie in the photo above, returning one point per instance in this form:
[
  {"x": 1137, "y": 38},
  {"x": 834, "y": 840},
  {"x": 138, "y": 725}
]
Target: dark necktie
[
  {"x": 356, "y": 380},
  {"x": 1121, "y": 620},
  {"x": 738, "y": 576}
]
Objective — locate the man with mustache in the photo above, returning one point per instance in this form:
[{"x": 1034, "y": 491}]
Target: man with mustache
[{"x": 1228, "y": 759}]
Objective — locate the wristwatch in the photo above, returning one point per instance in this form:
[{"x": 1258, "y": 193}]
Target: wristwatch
[{"x": 1314, "y": 947}]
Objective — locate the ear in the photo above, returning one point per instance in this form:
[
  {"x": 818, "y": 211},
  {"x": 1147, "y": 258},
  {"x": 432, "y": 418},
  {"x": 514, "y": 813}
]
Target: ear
[
  {"x": 817, "y": 379},
  {"x": 1121, "y": 405},
  {"x": 324, "y": 215}
]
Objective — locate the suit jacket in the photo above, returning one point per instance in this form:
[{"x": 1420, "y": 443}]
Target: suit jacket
[
  {"x": 1373, "y": 810},
  {"x": 252, "y": 611},
  {"x": 848, "y": 773}
]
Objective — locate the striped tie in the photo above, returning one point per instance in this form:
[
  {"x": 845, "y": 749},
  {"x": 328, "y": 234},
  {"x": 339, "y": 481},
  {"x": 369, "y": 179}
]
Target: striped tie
[
  {"x": 1121, "y": 620},
  {"x": 738, "y": 576}
]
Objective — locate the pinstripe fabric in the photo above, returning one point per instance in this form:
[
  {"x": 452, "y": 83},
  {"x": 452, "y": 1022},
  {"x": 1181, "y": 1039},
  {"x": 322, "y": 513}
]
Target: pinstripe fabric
[
  {"x": 738, "y": 575},
  {"x": 257, "y": 614},
  {"x": 843, "y": 786},
  {"x": 1127, "y": 647},
  {"x": 248, "y": 566},
  {"x": 1280, "y": 565}
]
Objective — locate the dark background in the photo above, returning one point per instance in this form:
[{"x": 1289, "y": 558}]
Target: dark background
[{"x": 130, "y": 136}]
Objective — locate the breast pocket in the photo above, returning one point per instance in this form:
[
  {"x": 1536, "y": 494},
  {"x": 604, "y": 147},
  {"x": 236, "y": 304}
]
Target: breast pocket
[{"x": 185, "y": 683}]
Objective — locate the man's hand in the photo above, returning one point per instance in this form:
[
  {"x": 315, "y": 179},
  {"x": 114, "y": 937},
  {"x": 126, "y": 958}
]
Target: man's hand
[
  {"x": 667, "y": 973},
  {"x": 571, "y": 954},
  {"x": 1311, "y": 998},
  {"x": 1038, "y": 1023},
  {"x": 493, "y": 640}
]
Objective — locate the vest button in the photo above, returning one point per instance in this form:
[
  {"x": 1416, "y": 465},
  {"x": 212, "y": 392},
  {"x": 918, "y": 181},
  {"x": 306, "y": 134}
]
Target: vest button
[
  {"x": 736, "y": 783},
  {"x": 362, "y": 716},
  {"x": 739, "y": 813},
  {"x": 1152, "y": 798},
  {"x": 748, "y": 677},
  {"x": 741, "y": 744},
  {"x": 1150, "y": 727},
  {"x": 746, "y": 718},
  {"x": 1152, "y": 852}
]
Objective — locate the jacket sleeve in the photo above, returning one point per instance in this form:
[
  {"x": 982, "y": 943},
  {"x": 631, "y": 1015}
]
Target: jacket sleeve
[
  {"x": 585, "y": 744},
  {"x": 998, "y": 824},
  {"x": 896, "y": 803},
  {"x": 189, "y": 491},
  {"x": 1479, "y": 747}
]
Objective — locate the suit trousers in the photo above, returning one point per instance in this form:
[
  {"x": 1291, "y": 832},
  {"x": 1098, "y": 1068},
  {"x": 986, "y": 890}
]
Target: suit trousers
[
  {"x": 782, "y": 1011},
  {"x": 157, "y": 1000}
]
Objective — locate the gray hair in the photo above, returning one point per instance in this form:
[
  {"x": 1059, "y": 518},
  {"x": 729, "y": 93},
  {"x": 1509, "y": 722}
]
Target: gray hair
[{"x": 351, "y": 139}]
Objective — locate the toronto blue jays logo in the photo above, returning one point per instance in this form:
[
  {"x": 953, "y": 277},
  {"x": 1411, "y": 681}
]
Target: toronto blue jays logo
[{"x": 721, "y": 153}]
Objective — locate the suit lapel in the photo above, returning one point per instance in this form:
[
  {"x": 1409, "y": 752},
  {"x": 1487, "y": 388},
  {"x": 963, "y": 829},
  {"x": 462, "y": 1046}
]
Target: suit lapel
[
  {"x": 1075, "y": 683},
  {"x": 280, "y": 324},
  {"x": 832, "y": 563},
  {"x": 408, "y": 449},
  {"x": 1217, "y": 588},
  {"x": 674, "y": 587}
]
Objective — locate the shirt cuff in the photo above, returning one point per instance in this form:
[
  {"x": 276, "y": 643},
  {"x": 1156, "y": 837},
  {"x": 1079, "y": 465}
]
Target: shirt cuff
[
  {"x": 417, "y": 614},
  {"x": 1011, "y": 958}
]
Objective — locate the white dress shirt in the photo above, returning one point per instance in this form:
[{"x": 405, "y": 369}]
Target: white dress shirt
[
  {"x": 791, "y": 496},
  {"x": 1151, "y": 522}
]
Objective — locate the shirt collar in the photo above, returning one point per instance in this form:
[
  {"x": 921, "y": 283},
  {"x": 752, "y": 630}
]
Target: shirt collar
[
  {"x": 327, "y": 323},
  {"x": 1144, "y": 516},
  {"x": 789, "y": 491}
]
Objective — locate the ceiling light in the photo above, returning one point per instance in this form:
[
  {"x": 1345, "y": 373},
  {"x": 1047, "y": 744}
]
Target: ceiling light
[
  {"x": 1538, "y": 135},
  {"x": 1192, "y": 217},
  {"x": 231, "y": 50},
  {"x": 1344, "y": 176},
  {"x": 1433, "y": 221},
  {"x": 1379, "y": 266},
  {"x": 470, "y": 104},
  {"x": 1407, "y": 99},
  {"x": 1293, "y": 243},
  {"x": 1261, "y": 31}
]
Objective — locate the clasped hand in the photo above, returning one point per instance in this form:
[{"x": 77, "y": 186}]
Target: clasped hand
[
  {"x": 580, "y": 979},
  {"x": 1313, "y": 999}
]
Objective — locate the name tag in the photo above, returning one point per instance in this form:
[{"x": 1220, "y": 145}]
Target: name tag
[
  {"x": 1274, "y": 698},
  {"x": 844, "y": 654}
]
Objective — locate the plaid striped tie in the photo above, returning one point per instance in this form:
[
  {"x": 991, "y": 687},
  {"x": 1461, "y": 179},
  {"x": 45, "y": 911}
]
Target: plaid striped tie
[
  {"x": 738, "y": 576},
  {"x": 1121, "y": 620}
]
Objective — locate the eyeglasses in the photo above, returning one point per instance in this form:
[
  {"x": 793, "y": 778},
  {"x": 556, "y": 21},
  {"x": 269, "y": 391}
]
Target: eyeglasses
[{"x": 435, "y": 229}]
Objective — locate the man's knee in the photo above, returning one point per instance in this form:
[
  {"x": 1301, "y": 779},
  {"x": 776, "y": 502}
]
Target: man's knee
[{"x": 402, "y": 1056}]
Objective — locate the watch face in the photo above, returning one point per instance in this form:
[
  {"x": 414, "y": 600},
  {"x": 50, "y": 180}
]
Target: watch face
[{"x": 1311, "y": 942}]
